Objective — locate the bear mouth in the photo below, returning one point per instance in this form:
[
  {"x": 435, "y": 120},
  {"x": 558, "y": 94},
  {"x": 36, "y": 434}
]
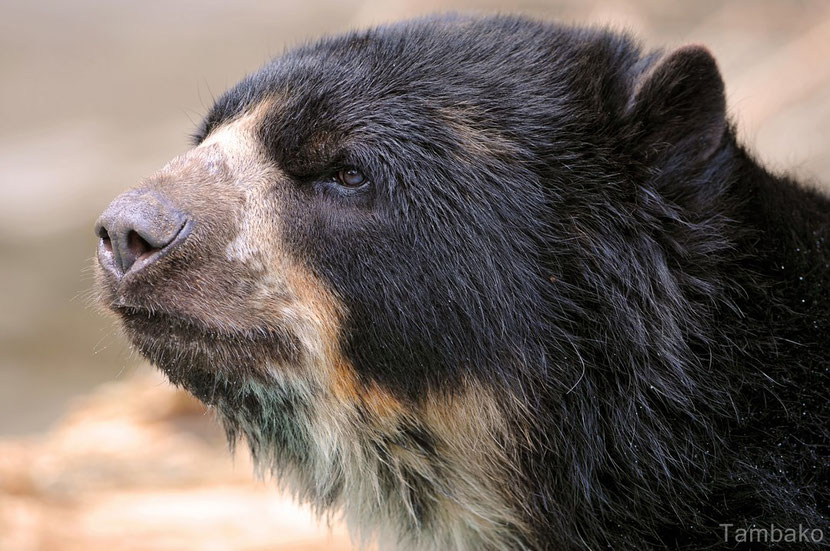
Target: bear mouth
[{"x": 209, "y": 362}]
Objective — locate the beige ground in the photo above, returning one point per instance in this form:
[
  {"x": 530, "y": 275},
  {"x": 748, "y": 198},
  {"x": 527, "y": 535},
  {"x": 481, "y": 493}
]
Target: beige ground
[
  {"x": 95, "y": 94},
  {"x": 138, "y": 466}
]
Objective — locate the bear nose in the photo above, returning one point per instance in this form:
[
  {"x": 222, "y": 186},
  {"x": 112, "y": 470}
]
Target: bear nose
[{"x": 136, "y": 228}]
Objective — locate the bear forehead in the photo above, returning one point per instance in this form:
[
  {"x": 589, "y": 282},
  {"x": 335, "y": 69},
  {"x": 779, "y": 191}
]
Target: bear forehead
[{"x": 484, "y": 69}]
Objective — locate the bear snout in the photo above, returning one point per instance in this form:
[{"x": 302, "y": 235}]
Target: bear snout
[{"x": 137, "y": 229}]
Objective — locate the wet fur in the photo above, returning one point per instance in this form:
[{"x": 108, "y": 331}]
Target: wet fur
[{"x": 573, "y": 312}]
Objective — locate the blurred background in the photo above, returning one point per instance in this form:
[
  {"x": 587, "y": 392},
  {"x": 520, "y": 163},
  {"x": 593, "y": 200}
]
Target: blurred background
[{"x": 96, "y": 451}]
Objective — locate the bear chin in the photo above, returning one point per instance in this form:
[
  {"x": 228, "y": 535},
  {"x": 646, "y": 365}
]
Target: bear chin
[{"x": 211, "y": 363}]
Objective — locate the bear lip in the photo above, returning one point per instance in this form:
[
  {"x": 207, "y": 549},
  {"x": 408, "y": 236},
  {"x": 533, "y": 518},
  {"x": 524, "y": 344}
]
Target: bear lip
[
  {"x": 154, "y": 331},
  {"x": 178, "y": 323}
]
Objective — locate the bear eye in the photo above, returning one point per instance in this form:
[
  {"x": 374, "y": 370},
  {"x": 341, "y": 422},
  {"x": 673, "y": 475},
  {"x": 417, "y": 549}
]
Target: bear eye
[{"x": 350, "y": 177}]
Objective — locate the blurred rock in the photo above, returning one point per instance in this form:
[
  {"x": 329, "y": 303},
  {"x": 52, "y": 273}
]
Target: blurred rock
[{"x": 140, "y": 466}]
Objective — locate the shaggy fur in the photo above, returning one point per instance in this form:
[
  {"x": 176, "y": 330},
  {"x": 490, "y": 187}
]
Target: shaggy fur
[{"x": 566, "y": 309}]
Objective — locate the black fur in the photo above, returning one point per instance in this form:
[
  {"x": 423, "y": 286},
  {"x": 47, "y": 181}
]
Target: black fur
[{"x": 555, "y": 214}]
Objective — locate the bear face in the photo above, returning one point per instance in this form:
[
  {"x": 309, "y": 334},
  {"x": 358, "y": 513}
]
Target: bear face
[{"x": 463, "y": 280}]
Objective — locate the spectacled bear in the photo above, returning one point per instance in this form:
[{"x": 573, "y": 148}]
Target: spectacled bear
[{"x": 492, "y": 283}]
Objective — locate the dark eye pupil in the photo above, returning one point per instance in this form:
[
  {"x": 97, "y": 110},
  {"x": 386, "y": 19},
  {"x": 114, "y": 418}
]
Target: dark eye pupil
[{"x": 351, "y": 177}]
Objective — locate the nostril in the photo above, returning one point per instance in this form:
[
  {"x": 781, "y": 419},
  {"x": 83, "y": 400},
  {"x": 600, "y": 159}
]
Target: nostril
[
  {"x": 138, "y": 246},
  {"x": 105, "y": 238}
]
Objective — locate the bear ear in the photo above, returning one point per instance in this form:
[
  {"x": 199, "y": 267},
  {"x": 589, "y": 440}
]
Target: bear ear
[{"x": 678, "y": 106}]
